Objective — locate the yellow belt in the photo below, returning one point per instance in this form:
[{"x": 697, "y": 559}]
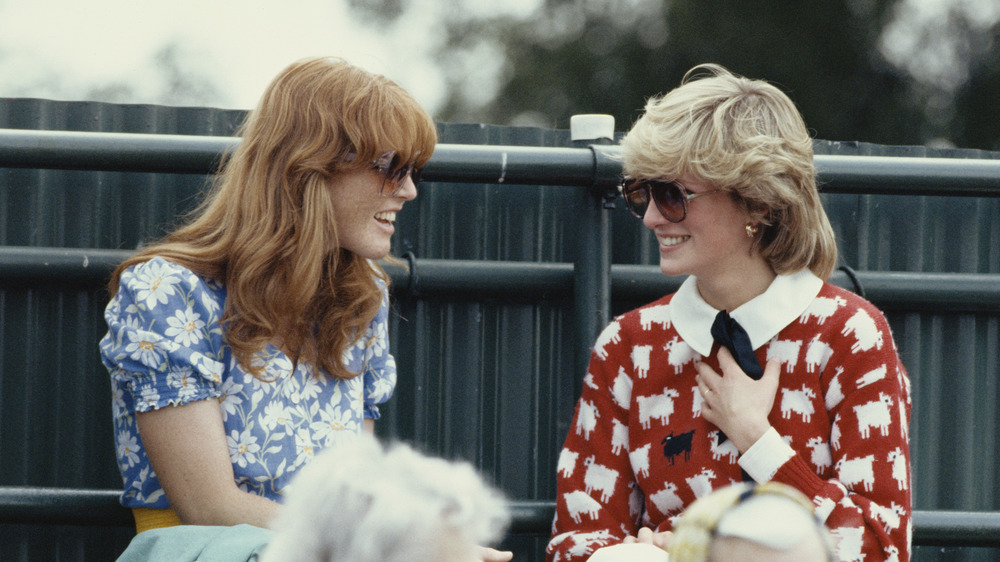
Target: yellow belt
[{"x": 147, "y": 518}]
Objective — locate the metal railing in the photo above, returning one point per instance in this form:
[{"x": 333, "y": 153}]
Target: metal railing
[
  {"x": 596, "y": 165},
  {"x": 596, "y": 168}
]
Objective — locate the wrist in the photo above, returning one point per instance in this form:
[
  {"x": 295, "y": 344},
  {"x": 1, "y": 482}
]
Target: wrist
[
  {"x": 763, "y": 459},
  {"x": 749, "y": 434}
]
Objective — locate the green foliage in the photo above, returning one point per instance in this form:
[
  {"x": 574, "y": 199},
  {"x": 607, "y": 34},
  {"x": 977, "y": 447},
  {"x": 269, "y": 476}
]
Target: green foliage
[{"x": 609, "y": 56}]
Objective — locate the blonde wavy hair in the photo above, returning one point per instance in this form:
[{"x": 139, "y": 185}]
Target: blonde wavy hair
[
  {"x": 266, "y": 229},
  {"x": 747, "y": 138}
]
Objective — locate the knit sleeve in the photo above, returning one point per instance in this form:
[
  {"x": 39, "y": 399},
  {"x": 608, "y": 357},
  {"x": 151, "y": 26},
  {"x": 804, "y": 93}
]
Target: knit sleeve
[
  {"x": 867, "y": 505},
  {"x": 598, "y": 502}
]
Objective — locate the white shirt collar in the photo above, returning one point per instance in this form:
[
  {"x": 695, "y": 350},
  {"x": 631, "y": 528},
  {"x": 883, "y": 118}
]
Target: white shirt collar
[{"x": 762, "y": 317}]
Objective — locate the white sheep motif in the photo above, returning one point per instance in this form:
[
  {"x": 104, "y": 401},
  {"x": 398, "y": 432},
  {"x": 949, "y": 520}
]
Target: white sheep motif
[
  {"x": 727, "y": 449},
  {"x": 822, "y": 308},
  {"x": 667, "y": 500},
  {"x": 834, "y": 394},
  {"x": 640, "y": 460},
  {"x": 821, "y": 455},
  {"x": 835, "y": 436},
  {"x": 659, "y": 314},
  {"x": 874, "y": 414},
  {"x": 621, "y": 389},
  {"x": 619, "y": 437},
  {"x": 866, "y": 333},
  {"x": 610, "y": 335},
  {"x": 679, "y": 353},
  {"x": 599, "y": 477},
  {"x": 579, "y": 503},
  {"x": 899, "y": 468},
  {"x": 567, "y": 463},
  {"x": 786, "y": 351},
  {"x": 640, "y": 359},
  {"x": 890, "y": 516},
  {"x": 586, "y": 419},
  {"x": 849, "y": 541},
  {"x": 872, "y": 376},
  {"x": 658, "y": 406},
  {"x": 799, "y": 402},
  {"x": 818, "y": 354},
  {"x": 587, "y": 543},
  {"x": 857, "y": 471},
  {"x": 701, "y": 483}
]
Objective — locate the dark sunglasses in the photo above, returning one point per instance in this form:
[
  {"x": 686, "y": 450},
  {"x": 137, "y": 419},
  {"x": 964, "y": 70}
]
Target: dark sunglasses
[
  {"x": 670, "y": 197},
  {"x": 394, "y": 172}
]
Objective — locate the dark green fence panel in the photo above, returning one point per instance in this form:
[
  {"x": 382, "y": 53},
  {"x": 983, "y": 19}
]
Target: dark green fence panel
[{"x": 486, "y": 375}]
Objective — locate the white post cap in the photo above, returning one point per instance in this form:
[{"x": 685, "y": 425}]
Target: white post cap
[{"x": 591, "y": 126}]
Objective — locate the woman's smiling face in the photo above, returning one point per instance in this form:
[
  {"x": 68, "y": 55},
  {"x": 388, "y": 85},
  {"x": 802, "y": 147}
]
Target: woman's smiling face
[
  {"x": 364, "y": 217},
  {"x": 711, "y": 240}
]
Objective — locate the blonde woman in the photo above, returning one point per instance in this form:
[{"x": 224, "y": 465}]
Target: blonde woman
[{"x": 756, "y": 369}]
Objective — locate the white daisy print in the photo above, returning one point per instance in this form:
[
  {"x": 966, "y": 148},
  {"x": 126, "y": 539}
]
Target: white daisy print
[
  {"x": 185, "y": 327},
  {"x": 278, "y": 417},
  {"x": 148, "y": 396},
  {"x": 182, "y": 383},
  {"x": 153, "y": 284},
  {"x": 128, "y": 449},
  {"x": 305, "y": 450},
  {"x": 331, "y": 422},
  {"x": 231, "y": 398},
  {"x": 243, "y": 447},
  {"x": 145, "y": 348}
]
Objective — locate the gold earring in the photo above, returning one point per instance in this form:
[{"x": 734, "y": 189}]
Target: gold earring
[{"x": 751, "y": 230}]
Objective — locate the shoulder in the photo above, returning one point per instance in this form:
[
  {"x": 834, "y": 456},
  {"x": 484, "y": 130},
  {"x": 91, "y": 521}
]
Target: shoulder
[
  {"x": 159, "y": 283},
  {"x": 837, "y": 306},
  {"x": 646, "y": 316},
  {"x": 161, "y": 274},
  {"x": 850, "y": 327},
  {"x": 636, "y": 326}
]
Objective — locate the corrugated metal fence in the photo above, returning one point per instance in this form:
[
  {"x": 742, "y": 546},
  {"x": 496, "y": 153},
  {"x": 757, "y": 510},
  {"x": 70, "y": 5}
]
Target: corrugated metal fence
[{"x": 489, "y": 359}]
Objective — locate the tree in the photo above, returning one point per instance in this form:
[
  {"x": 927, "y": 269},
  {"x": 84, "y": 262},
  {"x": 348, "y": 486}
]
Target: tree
[
  {"x": 609, "y": 56},
  {"x": 977, "y": 100}
]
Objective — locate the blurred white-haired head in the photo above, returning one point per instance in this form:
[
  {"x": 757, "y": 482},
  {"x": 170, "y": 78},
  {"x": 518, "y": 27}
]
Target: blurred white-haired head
[
  {"x": 746, "y": 521},
  {"x": 363, "y": 502}
]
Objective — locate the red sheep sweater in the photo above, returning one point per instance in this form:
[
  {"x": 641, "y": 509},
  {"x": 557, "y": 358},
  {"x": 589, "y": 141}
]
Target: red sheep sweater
[{"x": 638, "y": 451}]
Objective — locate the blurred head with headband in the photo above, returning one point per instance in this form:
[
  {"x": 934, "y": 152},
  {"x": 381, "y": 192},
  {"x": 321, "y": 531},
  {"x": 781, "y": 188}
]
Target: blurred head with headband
[{"x": 769, "y": 521}]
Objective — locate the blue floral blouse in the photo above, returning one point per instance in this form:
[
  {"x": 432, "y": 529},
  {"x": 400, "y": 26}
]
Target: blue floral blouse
[{"x": 165, "y": 346}]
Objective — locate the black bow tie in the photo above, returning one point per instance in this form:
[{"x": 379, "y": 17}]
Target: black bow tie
[{"x": 733, "y": 337}]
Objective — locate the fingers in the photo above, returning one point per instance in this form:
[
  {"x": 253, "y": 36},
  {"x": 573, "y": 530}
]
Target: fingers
[
  {"x": 492, "y": 555},
  {"x": 662, "y": 540},
  {"x": 705, "y": 377},
  {"x": 726, "y": 359},
  {"x": 773, "y": 368},
  {"x": 649, "y": 536}
]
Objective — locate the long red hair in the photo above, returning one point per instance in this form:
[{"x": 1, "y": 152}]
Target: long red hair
[{"x": 266, "y": 229}]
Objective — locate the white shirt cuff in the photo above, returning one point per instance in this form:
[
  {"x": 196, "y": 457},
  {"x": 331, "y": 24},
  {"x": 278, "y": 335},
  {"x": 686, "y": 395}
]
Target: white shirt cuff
[{"x": 763, "y": 459}]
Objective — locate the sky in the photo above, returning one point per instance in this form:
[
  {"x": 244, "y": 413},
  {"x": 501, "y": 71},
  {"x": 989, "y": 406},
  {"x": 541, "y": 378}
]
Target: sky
[
  {"x": 117, "y": 50},
  {"x": 70, "y": 50}
]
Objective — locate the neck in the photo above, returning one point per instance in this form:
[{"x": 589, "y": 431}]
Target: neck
[{"x": 729, "y": 292}]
